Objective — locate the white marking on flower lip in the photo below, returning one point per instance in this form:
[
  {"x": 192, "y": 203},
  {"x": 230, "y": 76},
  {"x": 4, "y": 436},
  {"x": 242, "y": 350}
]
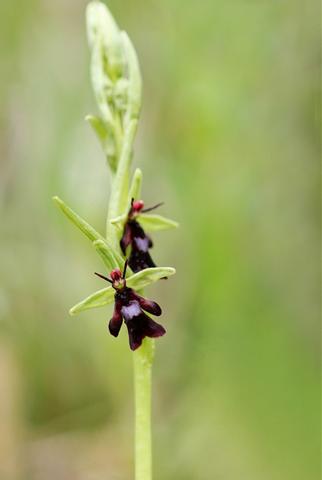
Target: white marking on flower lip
[
  {"x": 142, "y": 244},
  {"x": 131, "y": 310}
]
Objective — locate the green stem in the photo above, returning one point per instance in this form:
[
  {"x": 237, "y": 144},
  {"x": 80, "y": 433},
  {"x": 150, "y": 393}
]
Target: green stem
[
  {"x": 120, "y": 185},
  {"x": 143, "y": 358}
]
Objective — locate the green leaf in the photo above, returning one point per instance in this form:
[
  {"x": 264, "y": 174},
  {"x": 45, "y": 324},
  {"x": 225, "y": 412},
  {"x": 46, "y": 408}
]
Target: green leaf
[
  {"x": 98, "y": 299},
  {"x": 110, "y": 258},
  {"x": 153, "y": 222},
  {"x": 84, "y": 227},
  {"x": 149, "y": 275}
]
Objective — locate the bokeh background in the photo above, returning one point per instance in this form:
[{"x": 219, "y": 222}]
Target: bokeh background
[{"x": 230, "y": 139}]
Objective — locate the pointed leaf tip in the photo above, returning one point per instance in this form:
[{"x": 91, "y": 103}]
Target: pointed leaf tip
[{"x": 77, "y": 220}]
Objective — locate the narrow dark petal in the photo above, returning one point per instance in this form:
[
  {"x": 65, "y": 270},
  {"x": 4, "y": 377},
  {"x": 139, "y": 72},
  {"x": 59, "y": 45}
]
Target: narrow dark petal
[
  {"x": 126, "y": 238},
  {"x": 115, "y": 323},
  {"x": 148, "y": 305},
  {"x": 103, "y": 277},
  {"x": 145, "y": 210},
  {"x": 124, "y": 268},
  {"x": 151, "y": 307}
]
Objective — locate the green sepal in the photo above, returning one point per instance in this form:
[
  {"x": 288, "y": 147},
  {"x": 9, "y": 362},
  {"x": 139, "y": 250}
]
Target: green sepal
[
  {"x": 153, "y": 222},
  {"x": 137, "y": 281},
  {"x": 147, "y": 276},
  {"x": 98, "y": 299},
  {"x": 80, "y": 223}
]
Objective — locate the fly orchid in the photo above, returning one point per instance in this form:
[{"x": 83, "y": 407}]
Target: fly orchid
[
  {"x": 134, "y": 235},
  {"x": 131, "y": 307}
]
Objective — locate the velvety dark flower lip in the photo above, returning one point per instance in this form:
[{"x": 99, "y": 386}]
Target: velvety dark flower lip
[
  {"x": 131, "y": 307},
  {"x": 134, "y": 235}
]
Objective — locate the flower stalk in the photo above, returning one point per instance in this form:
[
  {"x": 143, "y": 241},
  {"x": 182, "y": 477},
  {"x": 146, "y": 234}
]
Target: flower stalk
[
  {"x": 143, "y": 360},
  {"x": 116, "y": 82}
]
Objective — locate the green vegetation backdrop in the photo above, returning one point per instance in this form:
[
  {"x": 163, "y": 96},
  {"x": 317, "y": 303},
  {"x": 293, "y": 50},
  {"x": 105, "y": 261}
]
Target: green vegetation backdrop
[{"x": 229, "y": 138}]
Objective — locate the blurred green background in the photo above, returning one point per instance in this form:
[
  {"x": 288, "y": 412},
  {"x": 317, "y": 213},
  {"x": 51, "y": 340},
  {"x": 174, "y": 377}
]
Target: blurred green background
[{"x": 230, "y": 139}]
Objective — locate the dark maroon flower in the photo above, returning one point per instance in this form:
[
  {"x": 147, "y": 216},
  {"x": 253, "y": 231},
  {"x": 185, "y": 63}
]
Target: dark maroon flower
[
  {"x": 134, "y": 235},
  {"x": 129, "y": 306}
]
